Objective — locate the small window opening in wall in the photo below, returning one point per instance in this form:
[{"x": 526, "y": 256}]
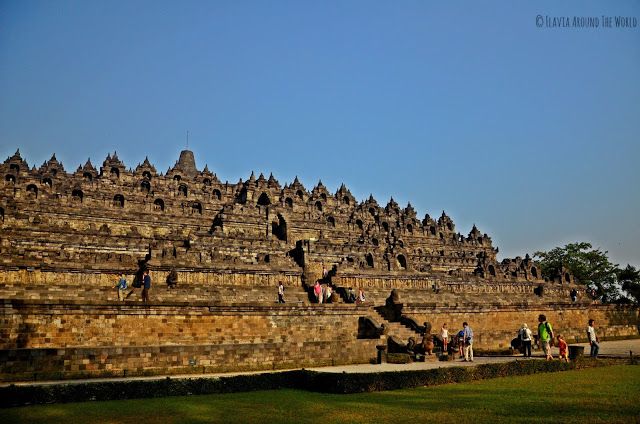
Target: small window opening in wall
[
  {"x": 158, "y": 204},
  {"x": 319, "y": 205},
  {"x": 87, "y": 176},
  {"x": 492, "y": 271},
  {"x": 32, "y": 190},
  {"x": 300, "y": 194},
  {"x": 145, "y": 186},
  {"x": 264, "y": 200},
  {"x": 369, "y": 259},
  {"x": 115, "y": 172},
  {"x": 118, "y": 200},
  {"x": 346, "y": 200},
  {"x": 177, "y": 177},
  {"x": 77, "y": 195},
  {"x": 146, "y": 174},
  {"x": 323, "y": 196},
  {"x": 288, "y": 202},
  {"x": 182, "y": 190},
  {"x": 332, "y": 221},
  {"x": 359, "y": 224},
  {"x": 216, "y": 194},
  {"x": 402, "y": 262},
  {"x": 11, "y": 179}
]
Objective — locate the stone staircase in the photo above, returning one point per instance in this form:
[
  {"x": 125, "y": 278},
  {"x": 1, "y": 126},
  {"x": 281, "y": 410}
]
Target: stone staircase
[
  {"x": 401, "y": 332},
  {"x": 398, "y": 330}
]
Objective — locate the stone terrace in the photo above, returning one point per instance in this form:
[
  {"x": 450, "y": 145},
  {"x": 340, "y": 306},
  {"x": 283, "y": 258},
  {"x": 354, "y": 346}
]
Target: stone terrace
[{"x": 66, "y": 236}]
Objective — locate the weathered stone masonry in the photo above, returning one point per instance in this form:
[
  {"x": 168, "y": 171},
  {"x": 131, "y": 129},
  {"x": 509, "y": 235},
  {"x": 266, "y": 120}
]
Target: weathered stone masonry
[{"x": 64, "y": 237}]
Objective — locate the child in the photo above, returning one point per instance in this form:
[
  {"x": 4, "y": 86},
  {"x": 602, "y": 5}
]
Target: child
[{"x": 562, "y": 345}]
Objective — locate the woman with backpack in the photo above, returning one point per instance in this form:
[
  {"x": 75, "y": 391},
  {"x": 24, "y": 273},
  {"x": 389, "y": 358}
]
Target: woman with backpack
[{"x": 525, "y": 336}]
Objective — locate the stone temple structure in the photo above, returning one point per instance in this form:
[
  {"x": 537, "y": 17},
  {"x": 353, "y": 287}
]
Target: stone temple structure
[{"x": 66, "y": 236}]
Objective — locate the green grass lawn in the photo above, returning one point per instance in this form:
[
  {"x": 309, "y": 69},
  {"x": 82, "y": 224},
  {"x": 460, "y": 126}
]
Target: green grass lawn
[{"x": 607, "y": 394}]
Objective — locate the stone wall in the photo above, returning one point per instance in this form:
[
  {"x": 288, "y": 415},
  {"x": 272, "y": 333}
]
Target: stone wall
[
  {"x": 496, "y": 325},
  {"x": 108, "y": 277},
  {"x": 80, "y": 338}
]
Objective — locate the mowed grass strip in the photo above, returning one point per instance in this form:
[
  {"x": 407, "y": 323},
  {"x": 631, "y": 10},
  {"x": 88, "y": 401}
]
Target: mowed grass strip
[{"x": 608, "y": 394}]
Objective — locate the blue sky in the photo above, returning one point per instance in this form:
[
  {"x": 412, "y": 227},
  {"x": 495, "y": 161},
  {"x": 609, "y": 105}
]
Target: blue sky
[{"x": 530, "y": 133}]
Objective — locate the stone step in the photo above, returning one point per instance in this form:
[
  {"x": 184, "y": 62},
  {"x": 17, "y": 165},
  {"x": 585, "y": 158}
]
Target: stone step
[{"x": 401, "y": 332}]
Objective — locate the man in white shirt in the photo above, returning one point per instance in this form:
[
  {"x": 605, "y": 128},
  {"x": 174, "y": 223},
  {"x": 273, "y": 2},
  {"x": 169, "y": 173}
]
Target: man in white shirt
[{"x": 593, "y": 339}]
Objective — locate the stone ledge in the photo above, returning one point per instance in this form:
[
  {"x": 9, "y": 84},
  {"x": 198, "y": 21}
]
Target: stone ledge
[{"x": 99, "y": 307}]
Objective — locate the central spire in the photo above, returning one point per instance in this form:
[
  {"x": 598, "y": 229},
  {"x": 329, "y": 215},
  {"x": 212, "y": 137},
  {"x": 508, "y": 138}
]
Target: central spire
[{"x": 187, "y": 163}]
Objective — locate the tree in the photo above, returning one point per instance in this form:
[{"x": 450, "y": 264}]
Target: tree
[
  {"x": 629, "y": 278},
  {"x": 589, "y": 266}
]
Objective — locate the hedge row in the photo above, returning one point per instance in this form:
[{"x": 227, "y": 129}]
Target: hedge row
[{"x": 299, "y": 379}]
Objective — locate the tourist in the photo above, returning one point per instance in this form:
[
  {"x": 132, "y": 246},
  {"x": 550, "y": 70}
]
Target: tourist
[
  {"x": 564, "y": 349},
  {"x": 172, "y": 279},
  {"x": 444, "y": 336},
  {"x": 525, "y": 336},
  {"x": 327, "y": 294},
  {"x": 121, "y": 286},
  {"x": 317, "y": 291},
  {"x": 280, "y": 292},
  {"x": 146, "y": 286},
  {"x": 574, "y": 295},
  {"x": 460, "y": 340},
  {"x": 545, "y": 335},
  {"x": 467, "y": 337},
  {"x": 137, "y": 283},
  {"x": 361, "y": 296},
  {"x": 351, "y": 295},
  {"x": 593, "y": 339}
]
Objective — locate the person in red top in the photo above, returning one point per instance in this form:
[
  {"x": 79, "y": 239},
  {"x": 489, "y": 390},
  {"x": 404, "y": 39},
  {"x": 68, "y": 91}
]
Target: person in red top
[
  {"x": 317, "y": 291},
  {"x": 562, "y": 345}
]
